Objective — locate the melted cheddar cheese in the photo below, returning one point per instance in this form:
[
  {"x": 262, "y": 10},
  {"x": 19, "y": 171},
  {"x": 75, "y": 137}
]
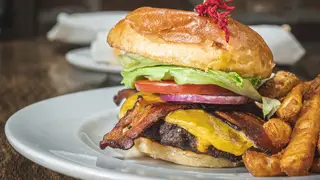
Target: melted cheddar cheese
[
  {"x": 206, "y": 128},
  {"x": 129, "y": 103},
  {"x": 210, "y": 131}
]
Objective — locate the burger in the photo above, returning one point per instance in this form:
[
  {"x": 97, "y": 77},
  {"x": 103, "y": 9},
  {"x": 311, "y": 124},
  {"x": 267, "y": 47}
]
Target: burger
[{"x": 192, "y": 97}]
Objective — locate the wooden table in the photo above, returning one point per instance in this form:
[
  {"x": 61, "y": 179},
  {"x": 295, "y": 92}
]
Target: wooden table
[
  {"x": 31, "y": 71},
  {"x": 34, "y": 70}
]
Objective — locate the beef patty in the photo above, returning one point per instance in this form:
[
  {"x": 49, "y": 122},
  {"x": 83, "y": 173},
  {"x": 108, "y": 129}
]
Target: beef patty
[{"x": 173, "y": 135}]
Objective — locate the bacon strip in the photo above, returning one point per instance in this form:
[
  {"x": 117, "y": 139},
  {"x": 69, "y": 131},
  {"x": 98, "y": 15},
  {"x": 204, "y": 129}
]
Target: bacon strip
[
  {"x": 124, "y": 122},
  {"x": 252, "y": 126},
  {"x": 141, "y": 117},
  {"x": 123, "y": 94}
]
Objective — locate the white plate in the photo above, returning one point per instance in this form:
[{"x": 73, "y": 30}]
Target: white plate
[
  {"x": 82, "y": 28},
  {"x": 82, "y": 58},
  {"x": 63, "y": 133}
]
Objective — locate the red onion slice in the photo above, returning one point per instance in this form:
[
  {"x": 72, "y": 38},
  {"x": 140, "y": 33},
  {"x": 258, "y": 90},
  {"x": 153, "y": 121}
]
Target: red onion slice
[{"x": 194, "y": 98}]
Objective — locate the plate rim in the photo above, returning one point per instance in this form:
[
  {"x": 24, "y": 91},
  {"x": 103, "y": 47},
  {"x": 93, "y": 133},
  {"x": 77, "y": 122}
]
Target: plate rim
[
  {"x": 64, "y": 166},
  {"x": 74, "y": 169},
  {"x": 104, "y": 68}
]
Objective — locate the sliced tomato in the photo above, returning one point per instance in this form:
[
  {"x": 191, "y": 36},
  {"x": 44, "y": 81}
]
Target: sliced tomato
[{"x": 170, "y": 87}]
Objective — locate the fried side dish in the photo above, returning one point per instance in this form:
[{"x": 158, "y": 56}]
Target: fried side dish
[
  {"x": 313, "y": 89},
  {"x": 292, "y": 104},
  {"x": 278, "y": 131},
  {"x": 298, "y": 156},
  {"x": 261, "y": 165},
  {"x": 279, "y": 85},
  {"x": 301, "y": 108}
]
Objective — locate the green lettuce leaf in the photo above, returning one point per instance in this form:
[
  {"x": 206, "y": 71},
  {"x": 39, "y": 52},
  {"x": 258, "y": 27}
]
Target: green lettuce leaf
[
  {"x": 182, "y": 75},
  {"x": 269, "y": 107},
  {"x": 137, "y": 67},
  {"x": 255, "y": 81},
  {"x": 132, "y": 62}
]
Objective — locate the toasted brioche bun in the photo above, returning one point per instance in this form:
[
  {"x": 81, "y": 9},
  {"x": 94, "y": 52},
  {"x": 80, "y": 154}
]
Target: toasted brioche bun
[
  {"x": 178, "y": 156},
  {"x": 185, "y": 39}
]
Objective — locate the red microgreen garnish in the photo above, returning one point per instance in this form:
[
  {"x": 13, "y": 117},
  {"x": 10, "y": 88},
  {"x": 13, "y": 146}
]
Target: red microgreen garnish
[{"x": 218, "y": 10}]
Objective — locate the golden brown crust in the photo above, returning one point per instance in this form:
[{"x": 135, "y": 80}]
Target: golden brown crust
[
  {"x": 183, "y": 38},
  {"x": 292, "y": 104},
  {"x": 280, "y": 85},
  {"x": 261, "y": 165},
  {"x": 278, "y": 132},
  {"x": 178, "y": 156},
  {"x": 298, "y": 156}
]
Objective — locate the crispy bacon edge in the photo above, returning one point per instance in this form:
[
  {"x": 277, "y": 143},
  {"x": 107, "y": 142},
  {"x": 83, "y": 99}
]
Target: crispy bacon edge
[
  {"x": 123, "y": 94},
  {"x": 142, "y": 116},
  {"x": 252, "y": 126}
]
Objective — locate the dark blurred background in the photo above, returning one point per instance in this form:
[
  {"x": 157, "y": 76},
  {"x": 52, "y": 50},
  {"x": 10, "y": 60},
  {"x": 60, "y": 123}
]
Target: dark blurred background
[{"x": 33, "y": 18}]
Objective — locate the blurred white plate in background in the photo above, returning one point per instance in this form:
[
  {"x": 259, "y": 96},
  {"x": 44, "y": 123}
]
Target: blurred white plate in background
[
  {"x": 82, "y": 28},
  {"x": 100, "y": 50},
  {"x": 286, "y": 49},
  {"x": 82, "y": 58}
]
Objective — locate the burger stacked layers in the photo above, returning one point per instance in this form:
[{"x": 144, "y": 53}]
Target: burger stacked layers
[{"x": 192, "y": 95}]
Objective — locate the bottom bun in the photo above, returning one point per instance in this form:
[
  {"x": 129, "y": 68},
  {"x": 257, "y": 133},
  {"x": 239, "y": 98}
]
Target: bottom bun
[{"x": 179, "y": 156}]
